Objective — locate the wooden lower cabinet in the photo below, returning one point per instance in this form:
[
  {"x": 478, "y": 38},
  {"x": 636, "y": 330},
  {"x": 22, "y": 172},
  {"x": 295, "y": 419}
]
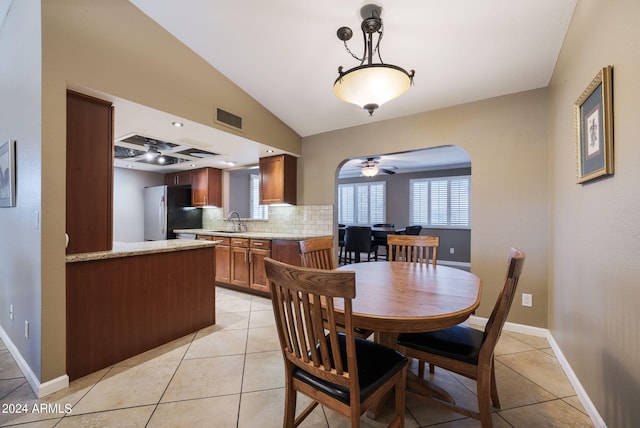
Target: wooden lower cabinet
[
  {"x": 260, "y": 250},
  {"x": 240, "y": 262}
]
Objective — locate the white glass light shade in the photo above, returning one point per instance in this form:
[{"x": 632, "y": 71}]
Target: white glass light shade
[
  {"x": 370, "y": 86},
  {"x": 369, "y": 171}
]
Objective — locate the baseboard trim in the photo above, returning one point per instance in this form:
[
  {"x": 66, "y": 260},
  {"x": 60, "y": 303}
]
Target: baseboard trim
[
  {"x": 40, "y": 389},
  {"x": 566, "y": 367}
]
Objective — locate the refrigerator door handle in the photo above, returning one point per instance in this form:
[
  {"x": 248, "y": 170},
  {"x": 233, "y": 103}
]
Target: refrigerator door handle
[{"x": 161, "y": 215}]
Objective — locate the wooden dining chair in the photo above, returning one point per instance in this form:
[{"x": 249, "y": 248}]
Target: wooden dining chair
[
  {"x": 318, "y": 253},
  {"x": 336, "y": 369},
  {"x": 467, "y": 351},
  {"x": 413, "y": 248}
]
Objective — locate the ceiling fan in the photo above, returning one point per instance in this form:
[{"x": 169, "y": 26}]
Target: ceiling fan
[{"x": 371, "y": 166}]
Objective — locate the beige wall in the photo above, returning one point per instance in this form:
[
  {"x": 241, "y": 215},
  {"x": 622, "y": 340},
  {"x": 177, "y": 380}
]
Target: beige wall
[
  {"x": 595, "y": 245},
  {"x": 506, "y": 139}
]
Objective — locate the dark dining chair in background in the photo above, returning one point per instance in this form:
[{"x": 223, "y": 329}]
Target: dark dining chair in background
[
  {"x": 380, "y": 236},
  {"x": 358, "y": 239},
  {"x": 467, "y": 351},
  {"x": 412, "y": 230},
  {"x": 336, "y": 369},
  {"x": 341, "y": 230}
]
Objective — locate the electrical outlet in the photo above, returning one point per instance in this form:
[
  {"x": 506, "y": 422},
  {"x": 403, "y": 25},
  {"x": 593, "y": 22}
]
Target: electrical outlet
[
  {"x": 26, "y": 329},
  {"x": 452, "y": 250},
  {"x": 527, "y": 300},
  {"x": 11, "y": 312}
]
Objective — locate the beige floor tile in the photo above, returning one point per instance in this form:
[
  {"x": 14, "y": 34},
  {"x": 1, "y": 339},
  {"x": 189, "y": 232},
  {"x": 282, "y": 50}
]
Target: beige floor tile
[
  {"x": 261, "y": 304},
  {"x": 514, "y": 389},
  {"x": 264, "y": 370},
  {"x": 551, "y": 414},
  {"x": 575, "y": 403},
  {"x": 263, "y": 339},
  {"x": 231, "y": 321},
  {"x": 8, "y": 367},
  {"x": 542, "y": 369},
  {"x": 510, "y": 345},
  {"x": 259, "y": 319},
  {"x": 219, "y": 412},
  {"x": 49, "y": 423},
  {"x": 534, "y": 341},
  {"x": 266, "y": 409},
  {"x": 130, "y": 417},
  {"x": 8, "y": 385},
  {"x": 205, "y": 377},
  {"x": 233, "y": 304},
  {"x": 124, "y": 387},
  {"x": 172, "y": 351},
  {"x": 28, "y": 407},
  {"x": 218, "y": 343}
]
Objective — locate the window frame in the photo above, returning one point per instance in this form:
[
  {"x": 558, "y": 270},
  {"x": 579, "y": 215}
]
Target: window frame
[
  {"x": 356, "y": 208},
  {"x": 418, "y": 218}
]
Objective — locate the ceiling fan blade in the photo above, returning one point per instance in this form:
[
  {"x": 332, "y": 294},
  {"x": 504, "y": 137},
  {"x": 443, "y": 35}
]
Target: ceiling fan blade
[{"x": 387, "y": 171}]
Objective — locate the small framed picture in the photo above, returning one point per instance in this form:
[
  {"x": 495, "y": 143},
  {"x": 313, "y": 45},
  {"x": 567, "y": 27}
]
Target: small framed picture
[
  {"x": 8, "y": 174},
  {"x": 594, "y": 128}
]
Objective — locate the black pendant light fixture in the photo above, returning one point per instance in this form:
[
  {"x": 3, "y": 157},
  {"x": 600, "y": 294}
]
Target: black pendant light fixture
[{"x": 370, "y": 84}]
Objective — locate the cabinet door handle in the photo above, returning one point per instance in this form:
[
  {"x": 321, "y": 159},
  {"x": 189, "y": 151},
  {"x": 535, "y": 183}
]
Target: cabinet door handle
[{"x": 258, "y": 244}]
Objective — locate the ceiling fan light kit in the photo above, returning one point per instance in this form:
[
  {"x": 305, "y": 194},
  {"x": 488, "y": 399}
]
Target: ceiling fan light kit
[{"x": 372, "y": 84}]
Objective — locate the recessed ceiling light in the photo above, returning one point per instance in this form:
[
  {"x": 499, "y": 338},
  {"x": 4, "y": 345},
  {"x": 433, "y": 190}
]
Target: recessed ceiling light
[
  {"x": 193, "y": 165},
  {"x": 177, "y": 124},
  {"x": 270, "y": 151},
  {"x": 230, "y": 163}
]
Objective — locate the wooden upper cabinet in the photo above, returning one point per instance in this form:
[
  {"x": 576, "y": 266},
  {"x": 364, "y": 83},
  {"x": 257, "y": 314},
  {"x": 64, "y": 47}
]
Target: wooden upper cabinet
[
  {"x": 89, "y": 184},
  {"x": 182, "y": 178},
  {"x": 206, "y": 187},
  {"x": 278, "y": 177}
]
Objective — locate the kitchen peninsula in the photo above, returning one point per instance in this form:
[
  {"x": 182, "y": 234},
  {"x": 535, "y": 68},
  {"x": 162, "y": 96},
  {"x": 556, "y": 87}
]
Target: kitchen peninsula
[{"x": 135, "y": 297}]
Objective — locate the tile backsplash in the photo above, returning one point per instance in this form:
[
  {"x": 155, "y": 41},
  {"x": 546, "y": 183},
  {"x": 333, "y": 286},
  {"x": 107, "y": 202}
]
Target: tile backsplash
[{"x": 304, "y": 219}]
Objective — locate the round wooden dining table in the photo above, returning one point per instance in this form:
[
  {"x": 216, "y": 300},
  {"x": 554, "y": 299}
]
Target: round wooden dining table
[{"x": 398, "y": 297}]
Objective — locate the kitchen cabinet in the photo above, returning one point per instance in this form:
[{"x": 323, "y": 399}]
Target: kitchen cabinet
[
  {"x": 182, "y": 178},
  {"x": 278, "y": 177},
  {"x": 222, "y": 256},
  {"x": 240, "y": 262},
  {"x": 259, "y": 250},
  {"x": 89, "y": 179},
  {"x": 206, "y": 187}
]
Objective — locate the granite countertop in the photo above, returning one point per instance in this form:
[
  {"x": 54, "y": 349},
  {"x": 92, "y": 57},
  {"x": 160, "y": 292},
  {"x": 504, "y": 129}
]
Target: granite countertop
[
  {"x": 252, "y": 235},
  {"x": 126, "y": 249}
]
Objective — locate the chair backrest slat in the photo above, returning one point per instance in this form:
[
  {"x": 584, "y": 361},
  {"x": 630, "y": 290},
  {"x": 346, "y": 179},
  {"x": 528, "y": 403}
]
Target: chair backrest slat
[
  {"x": 302, "y": 299},
  {"x": 317, "y": 253},
  {"x": 498, "y": 317},
  {"x": 413, "y": 248}
]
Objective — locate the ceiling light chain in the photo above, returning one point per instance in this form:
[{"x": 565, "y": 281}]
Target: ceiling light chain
[{"x": 370, "y": 84}]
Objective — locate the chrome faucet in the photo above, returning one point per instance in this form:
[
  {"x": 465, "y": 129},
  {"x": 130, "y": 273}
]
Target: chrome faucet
[{"x": 235, "y": 226}]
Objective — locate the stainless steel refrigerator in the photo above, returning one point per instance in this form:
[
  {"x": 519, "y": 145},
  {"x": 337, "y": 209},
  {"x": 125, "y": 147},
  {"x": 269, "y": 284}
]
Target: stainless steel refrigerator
[{"x": 166, "y": 209}]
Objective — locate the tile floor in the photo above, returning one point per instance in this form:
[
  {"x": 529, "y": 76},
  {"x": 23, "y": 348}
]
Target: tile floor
[{"x": 231, "y": 375}]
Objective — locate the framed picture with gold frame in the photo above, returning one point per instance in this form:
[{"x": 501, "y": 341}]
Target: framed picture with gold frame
[{"x": 594, "y": 128}]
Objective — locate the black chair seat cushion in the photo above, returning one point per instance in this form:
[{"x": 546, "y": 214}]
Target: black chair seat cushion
[
  {"x": 376, "y": 364},
  {"x": 459, "y": 343}
]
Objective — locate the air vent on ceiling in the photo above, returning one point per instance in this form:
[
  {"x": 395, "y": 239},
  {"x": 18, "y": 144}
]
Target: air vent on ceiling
[{"x": 228, "y": 118}]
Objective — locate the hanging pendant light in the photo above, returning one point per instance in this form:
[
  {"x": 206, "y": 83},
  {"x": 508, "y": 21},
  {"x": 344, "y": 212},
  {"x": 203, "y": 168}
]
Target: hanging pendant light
[{"x": 370, "y": 84}]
